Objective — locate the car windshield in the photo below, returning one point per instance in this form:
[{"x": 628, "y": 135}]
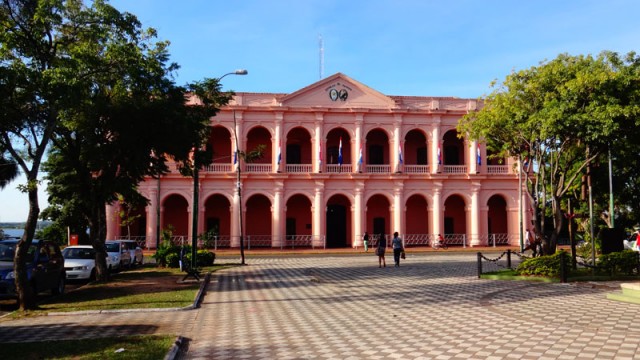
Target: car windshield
[
  {"x": 8, "y": 250},
  {"x": 112, "y": 247},
  {"x": 79, "y": 253}
]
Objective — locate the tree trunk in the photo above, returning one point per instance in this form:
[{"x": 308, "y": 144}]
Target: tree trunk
[
  {"x": 26, "y": 295},
  {"x": 98, "y": 234}
]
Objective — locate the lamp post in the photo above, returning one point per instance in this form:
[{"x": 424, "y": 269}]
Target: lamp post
[{"x": 196, "y": 178}]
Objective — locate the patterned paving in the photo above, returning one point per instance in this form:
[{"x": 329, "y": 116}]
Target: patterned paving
[{"x": 345, "y": 307}]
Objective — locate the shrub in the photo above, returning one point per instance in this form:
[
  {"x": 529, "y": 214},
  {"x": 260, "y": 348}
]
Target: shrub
[
  {"x": 205, "y": 258},
  {"x": 547, "y": 265},
  {"x": 168, "y": 255},
  {"x": 172, "y": 260},
  {"x": 623, "y": 262}
]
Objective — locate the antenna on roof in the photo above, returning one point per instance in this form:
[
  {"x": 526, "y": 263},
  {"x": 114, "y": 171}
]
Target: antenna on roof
[{"x": 321, "y": 45}]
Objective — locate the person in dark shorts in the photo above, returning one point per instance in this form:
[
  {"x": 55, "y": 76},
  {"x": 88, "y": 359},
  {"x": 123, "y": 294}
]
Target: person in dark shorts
[{"x": 382, "y": 245}]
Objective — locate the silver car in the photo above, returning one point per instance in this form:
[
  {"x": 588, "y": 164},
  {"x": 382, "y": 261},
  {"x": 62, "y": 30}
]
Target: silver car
[
  {"x": 119, "y": 255},
  {"x": 137, "y": 257}
]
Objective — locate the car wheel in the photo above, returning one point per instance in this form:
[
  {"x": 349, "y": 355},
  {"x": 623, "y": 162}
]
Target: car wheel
[{"x": 60, "y": 288}]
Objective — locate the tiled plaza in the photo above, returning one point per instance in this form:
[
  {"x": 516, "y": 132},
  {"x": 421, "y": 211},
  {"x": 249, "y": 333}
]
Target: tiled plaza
[{"x": 344, "y": 307}]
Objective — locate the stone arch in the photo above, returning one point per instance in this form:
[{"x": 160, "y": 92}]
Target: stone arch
[
  {"x": 455, "y": 215},
  {"x": 258, "y": 220},
  {"x": 176, "y": 214},
  {"x": 298, "y": 216},
  {"x": 260, "y": 135},
  {"x": 416, "y": 215},
  {"x": 217, "y": 216},
  {"x": 378, "y": 214}
]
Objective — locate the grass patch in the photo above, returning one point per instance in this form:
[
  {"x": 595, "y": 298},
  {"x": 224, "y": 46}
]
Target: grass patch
[
  {"x": 576, "y": 275},
  {"x": 510, "y": 274},
  {"x": 142, "y": 288},
  {"x": 135, "y": 347}
]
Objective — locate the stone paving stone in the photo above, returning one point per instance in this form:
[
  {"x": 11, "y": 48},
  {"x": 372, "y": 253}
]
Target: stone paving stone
[{"x": 345, "y": 307}]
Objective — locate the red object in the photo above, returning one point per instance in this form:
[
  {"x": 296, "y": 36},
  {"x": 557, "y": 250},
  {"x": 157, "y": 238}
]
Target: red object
[{"x": 73, "y": 239}]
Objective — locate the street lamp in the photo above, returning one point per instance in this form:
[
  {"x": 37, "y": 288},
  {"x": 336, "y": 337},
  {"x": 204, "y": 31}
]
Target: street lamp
[{"x": 196, "y": 178}]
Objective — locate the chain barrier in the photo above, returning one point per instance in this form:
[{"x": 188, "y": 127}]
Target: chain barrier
[{"x": 495, "y": 261}]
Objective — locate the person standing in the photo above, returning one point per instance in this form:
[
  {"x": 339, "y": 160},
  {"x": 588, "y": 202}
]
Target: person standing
[
  {"x": 382, "y": 245},
  {"x": 365, "y": 241},
  {"x": 396, "y": 243},
  {"x": 638, "y": 239}
]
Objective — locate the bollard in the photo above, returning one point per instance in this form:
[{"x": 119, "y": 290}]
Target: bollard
[
  {"x": 509, "y": 259},
  {"x": 479, "y": 264}
]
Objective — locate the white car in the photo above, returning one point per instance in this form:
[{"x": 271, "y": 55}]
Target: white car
[
  {"x": 119, "y": 255},
  {"x": 137, "y": 257},
  {"x": 80, "y": 262}
]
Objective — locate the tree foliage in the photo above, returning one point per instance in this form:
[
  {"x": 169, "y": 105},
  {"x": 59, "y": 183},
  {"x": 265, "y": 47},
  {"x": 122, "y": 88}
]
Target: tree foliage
[
  {"x": 558, "y": 117},
  {"x": 90, "y": 78},
  {"x": 132, "y": 119}
]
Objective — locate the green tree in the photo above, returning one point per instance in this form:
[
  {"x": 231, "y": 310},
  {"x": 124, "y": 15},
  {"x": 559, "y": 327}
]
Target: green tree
[
  {"x": 67, "y": 67},
  {"x": 559, "y": 117},
  {"x": 38, "y": 57},
  {"x": 132, "y": 121}
]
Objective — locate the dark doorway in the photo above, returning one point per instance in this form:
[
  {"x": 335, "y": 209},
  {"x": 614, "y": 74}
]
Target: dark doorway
[
  {"x": 291, "y": 228},
  {"x": 378, "y": 226},
  {"x": 376, "y": 155},
  {"x": 336, "y": 226},
  {"x": 293, "y": 154},
  {"x": 451, "y": 155},
  {"x": 213, "y": 226},
  {"x": 421, "y": 156},
  {"x": 448, "y": 226}
]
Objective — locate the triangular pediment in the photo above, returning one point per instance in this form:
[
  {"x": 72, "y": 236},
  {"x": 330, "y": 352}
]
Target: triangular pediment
[{"x": 338, "y": 91}]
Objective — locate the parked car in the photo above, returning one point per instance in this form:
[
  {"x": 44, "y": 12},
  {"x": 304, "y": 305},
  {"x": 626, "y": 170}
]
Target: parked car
[
  {"x": 120, "y": 256},
  {"x": 45, "y": 267},
  {"x": 80, "y": 262},
  {"x": 135, "y": 251}
]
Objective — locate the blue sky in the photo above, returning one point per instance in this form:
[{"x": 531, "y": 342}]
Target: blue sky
[{"x": 397, "y": 47}]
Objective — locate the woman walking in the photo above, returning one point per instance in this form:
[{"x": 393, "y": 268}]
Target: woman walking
[{"x": 382, "y": 245}]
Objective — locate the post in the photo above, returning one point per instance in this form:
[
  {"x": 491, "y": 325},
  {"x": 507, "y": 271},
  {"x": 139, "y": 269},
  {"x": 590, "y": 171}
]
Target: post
[
  {"x": 520, "y": 215},
  {"x": 479, "y": 264},
  {"x": 509, "y": 258},
  {"x": 563, "y": 267}
]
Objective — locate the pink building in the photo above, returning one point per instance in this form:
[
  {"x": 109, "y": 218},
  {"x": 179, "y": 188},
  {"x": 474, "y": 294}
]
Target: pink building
[{"x": 341, "y": 159}]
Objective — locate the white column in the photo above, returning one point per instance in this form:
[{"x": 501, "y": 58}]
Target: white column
[
  {"x": 241, "y": 140},
  {"x": 473, "y": 160},
  {"x": 358, "y": 143},
  {"x": 235, "y": 218},
  {"x": 474, "y": 239},
  {"x": 278, "y": 145},
  {"x": 318, "y": 215},
  {"x": 435, "y": 145},
  {"x": 397, "y": 129},
  {"x": 437, "y": 212},
  {"x": 319, "y": 145},
  {"x": 152, "y": 219},
  {"x": 397, "y": 209},
  {"x": 358, "y": 216},
  {"x": 277, "y": 215}
]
